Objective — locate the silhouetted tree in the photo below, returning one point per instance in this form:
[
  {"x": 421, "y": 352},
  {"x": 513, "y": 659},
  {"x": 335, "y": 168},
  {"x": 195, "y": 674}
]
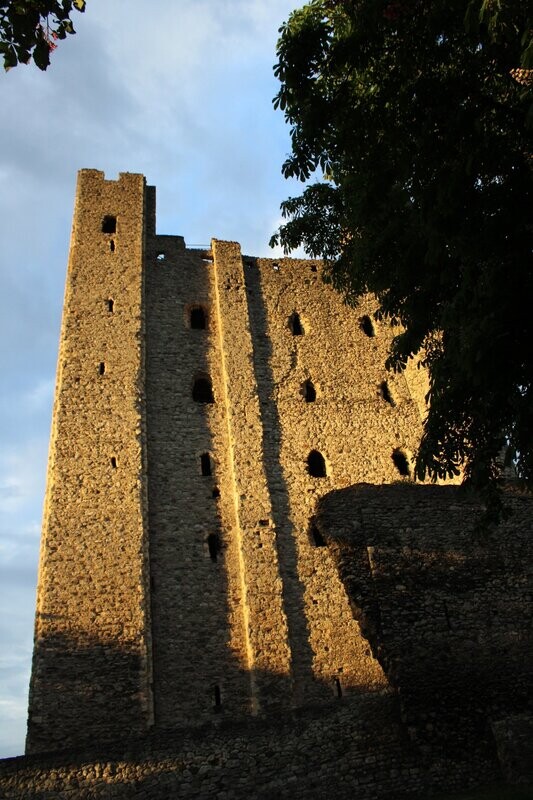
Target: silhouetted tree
[
  {"x": 31, "y": 29},
  {"x": 419, "y": 117}
]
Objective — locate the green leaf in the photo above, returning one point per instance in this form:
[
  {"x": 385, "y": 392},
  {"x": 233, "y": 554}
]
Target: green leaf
[{"x": 41, "y": 54}]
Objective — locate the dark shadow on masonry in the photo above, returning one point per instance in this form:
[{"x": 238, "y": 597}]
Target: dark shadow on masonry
[
  {"x": 448, "y": 614},
  {"x": 194, "y": 670},
  {"x": 293, "y": 588},
  {"x": 357, "y": 742}
]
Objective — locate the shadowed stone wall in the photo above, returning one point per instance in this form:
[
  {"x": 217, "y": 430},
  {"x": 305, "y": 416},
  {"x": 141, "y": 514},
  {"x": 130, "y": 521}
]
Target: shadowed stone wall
[{"x": 446, "y": 607}]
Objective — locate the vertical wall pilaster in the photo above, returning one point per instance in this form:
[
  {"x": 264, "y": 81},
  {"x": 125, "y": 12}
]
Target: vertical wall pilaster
[
  {"x": 265, "y": 619},
  {"x": 91, "y": 667}
]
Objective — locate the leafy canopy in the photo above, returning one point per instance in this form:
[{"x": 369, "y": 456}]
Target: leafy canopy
[
  {"x": 30, "y": 29},
  {"x": 419, "y": 116}
]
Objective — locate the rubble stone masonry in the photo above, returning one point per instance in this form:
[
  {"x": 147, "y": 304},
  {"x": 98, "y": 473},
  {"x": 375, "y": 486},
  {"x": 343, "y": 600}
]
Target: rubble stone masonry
[{"x": 198, "y": 632}]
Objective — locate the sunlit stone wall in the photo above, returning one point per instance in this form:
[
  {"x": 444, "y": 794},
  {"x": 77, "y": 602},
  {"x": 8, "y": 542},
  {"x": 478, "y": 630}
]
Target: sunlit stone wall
[
  {"x": 205, "y": 401},
  {"x": 92, "y": 656}
]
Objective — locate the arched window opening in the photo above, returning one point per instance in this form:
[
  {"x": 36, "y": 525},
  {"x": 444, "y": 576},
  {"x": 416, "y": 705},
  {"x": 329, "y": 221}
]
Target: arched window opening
[
  {"x": 205, "y": 464},
  {"x": 112, "y": 245},
  {"x": 309, "y": 391},
  {"x": 109, "y": 224},
  {"x": 213, "y": 545},
  {"x": 110, "y": 305},
  {"x": 367, "y": 326},
  {"x": 202, "y": 391},
  {"x": 386, "y": 394},
  {"x": 295, "y": 325},
  {"x": 316, "y": 466},
  {"x": 401, "y": 463},
  {"x": 198, "y": 319},
  {"x": 101, "y": 368},
  {"x": 113, "y": 462},
  {"x": 316, "y": 537}
]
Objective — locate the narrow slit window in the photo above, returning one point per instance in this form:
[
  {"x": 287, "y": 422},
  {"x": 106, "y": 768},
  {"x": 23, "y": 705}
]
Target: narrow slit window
[
  {"x": 401, "y": 463},
  {"x": 213, "y": 545},
  {"x": 446, "y": 614},
  {"x": 316, "y": 466},
  {"x": 217, "y": 696},
  {"x": 295, "y": 324},
  {"x": 112, "y": 245},
  {"x": 198, "y": 318},
  {"x": 109, "y": 224},
  {"x": 386, "y": 394},
  {"x": 309, "y": 392},
  {"x": 367, "y": 326},
  {"x": 205, "y": 464},
  {"x": 202, "y": 391},
  {"x": 110, "y": 305},
  {"x": 316, "y": 537},
  {"x": 338, "y": 687},
  {"x": 101, "y": 368},
  {"x": 113, "y": 462}
]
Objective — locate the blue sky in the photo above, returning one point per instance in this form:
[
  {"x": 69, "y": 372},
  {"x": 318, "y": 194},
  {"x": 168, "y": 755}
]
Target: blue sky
[{"x": 179, "y": 90}]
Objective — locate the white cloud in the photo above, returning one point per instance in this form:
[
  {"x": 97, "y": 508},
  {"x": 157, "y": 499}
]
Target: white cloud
[
  {"x": 22, "y": 472},
  {"x": 40, "y": 395}
]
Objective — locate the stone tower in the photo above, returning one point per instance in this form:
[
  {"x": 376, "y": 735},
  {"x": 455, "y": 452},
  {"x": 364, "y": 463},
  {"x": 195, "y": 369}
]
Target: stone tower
[{"x": 205, "y": 400}]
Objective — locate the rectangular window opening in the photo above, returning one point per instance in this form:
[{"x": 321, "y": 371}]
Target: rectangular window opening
[
  {"x": 109, "y": 224},
  {"x": 205, "y": 464}
]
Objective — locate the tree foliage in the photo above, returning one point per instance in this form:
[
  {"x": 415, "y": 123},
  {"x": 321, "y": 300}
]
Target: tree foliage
[
  {"x": 30, "y": 28},
  {"x": 419, "y": 117}
]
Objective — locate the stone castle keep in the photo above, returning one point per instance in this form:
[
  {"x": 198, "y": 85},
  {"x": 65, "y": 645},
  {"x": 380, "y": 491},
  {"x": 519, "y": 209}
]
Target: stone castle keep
[{"x": 233, "y": 601}]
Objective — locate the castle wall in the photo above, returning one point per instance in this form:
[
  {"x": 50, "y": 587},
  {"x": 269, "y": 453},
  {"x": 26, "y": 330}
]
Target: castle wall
[
  {"x": 354, "y": 427},
  {"x": 200, "y": 653},
  {"x": 179, "y": 529},
  {"x": 345, "y": 750},
  {"x": 444, "y": 603},
  {"x": 218, "y": 612},
  {"x": 92, "y": 632}
]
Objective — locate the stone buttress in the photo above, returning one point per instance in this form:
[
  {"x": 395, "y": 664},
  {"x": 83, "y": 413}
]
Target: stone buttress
[{"x": 92, "y": 657}]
